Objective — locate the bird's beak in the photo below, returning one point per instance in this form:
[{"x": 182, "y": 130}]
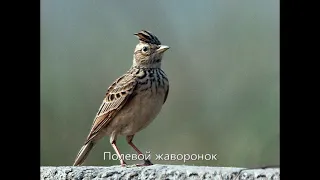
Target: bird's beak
[{"x": 162, "y": 48}]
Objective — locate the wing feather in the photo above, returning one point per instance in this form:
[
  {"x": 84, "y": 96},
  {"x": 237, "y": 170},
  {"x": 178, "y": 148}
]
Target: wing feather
[{"x": 120, "y": 92}]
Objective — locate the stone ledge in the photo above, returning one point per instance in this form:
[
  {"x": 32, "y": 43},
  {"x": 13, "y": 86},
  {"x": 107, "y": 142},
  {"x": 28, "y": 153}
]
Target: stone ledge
[{"x": 155, "y": 172}]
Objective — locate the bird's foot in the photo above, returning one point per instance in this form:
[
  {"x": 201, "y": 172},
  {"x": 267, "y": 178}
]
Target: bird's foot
[
  {"x": 123, "y": 164},
  {"x": 146, "y": 163}
]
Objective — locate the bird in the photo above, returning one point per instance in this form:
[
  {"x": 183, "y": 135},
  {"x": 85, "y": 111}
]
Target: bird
[{"x": 133, "y": 100}]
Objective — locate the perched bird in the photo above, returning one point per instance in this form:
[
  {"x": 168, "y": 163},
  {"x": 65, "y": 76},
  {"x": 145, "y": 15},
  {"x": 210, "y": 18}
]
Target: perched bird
[{"x": 133, "y": 100}]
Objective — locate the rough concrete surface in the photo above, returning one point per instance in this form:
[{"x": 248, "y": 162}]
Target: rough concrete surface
[{"x": 156, "y": 172}]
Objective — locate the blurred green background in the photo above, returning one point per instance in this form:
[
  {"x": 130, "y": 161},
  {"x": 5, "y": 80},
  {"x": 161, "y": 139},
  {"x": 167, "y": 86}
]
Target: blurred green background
[{"x": 223, "y": 68}]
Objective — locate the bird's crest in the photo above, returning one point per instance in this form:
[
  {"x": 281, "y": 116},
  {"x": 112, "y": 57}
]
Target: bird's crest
[{"x": 148, "y": 37}]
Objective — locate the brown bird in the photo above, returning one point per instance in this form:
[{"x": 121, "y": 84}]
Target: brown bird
[{"x": 133, "y": 100}]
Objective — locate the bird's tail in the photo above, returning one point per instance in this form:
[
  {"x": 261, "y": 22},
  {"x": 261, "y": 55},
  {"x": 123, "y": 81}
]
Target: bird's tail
[{"x": 83, "y": 153}]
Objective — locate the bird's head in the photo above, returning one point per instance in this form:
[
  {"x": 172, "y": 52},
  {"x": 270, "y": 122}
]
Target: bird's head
[{"x": 149, "y": 51}]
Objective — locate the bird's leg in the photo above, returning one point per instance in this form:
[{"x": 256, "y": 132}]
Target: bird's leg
[
  {"x": 113, "y": 143},
  {"x": 147, "y": 162},
  {"x": 113, "y": 139}
]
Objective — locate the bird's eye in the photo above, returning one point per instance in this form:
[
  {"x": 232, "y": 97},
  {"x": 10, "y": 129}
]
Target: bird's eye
[{"x": 145, "y": 49}]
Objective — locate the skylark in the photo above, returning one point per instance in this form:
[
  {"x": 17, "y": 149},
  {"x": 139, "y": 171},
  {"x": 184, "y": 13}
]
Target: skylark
[{"x": 133, "y": 100}]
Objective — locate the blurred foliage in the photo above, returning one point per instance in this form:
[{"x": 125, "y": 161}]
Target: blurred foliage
[{"x": 223, "y": 68}]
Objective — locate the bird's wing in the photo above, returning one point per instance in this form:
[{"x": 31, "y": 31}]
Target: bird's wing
[{"x": 118, "y": 94}]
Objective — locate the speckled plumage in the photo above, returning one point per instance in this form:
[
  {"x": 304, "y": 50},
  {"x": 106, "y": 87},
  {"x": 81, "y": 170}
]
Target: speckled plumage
[{"x": 133, "y": 100}]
